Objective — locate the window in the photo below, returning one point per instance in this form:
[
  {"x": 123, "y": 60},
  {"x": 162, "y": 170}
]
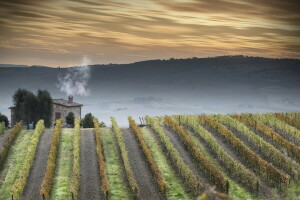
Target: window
[{"x": 57, "y": 115}]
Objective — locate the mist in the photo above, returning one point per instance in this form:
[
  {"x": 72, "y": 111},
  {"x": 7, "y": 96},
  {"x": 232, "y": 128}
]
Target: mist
[{"x": 75, "y": 80}]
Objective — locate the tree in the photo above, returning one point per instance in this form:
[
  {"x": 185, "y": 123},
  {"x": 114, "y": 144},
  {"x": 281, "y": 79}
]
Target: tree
[
  {"x": 102, "y": 124},
  {"x": 30, "y": 108},
  {"x": 87, "y": 121},
  {"x": 4, "y": 119},
  {"x": 70, "y": 119},
  {"x": 45, "y": 107},
  {"x": 26, "y": 106}
]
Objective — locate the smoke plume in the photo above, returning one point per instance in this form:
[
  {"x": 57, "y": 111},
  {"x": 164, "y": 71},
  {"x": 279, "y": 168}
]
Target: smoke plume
[{"x": 75, "y": 81}]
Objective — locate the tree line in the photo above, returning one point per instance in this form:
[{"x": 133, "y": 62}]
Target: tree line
[{"x": 30, "y": 107}]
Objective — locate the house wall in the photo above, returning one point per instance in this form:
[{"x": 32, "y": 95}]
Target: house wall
[
  {"x": 64, "y": 111},
  {"x": 13, "y": 117}
]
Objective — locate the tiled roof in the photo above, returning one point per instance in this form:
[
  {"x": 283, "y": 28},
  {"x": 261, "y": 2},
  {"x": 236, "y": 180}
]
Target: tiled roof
[{"x": 66, "y": 103}]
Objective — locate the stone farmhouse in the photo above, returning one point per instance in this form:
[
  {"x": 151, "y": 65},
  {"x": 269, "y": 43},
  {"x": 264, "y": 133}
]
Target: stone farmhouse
[{"x": 61, "y": 108}]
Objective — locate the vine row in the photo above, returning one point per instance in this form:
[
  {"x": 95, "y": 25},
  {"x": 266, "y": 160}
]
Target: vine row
[
  {"x": 292, "y": 149},
  {"x": 149, "y": 157},
  {"x": 51, "y": 162},
  {"x": 102, "y": 166},
  {"x": 124, "y": 155},
  {"x": 20, "y": 183},
  {"x": 254, "y": 161},
  {"x": 215, "y": 176},
  {"x": 266, "y": 148},
  {"x": 271, "y": 120},
  {"x": 185, "y": 172},
  {"x": 235, "y": 169}
]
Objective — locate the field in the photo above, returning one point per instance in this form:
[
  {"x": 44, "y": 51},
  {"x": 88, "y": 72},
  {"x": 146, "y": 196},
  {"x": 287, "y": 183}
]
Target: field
[{"x": 239, "y": 156}]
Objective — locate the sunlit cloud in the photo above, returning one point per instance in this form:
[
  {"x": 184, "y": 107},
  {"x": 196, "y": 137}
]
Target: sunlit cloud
[{"x": 110, "y": 31}]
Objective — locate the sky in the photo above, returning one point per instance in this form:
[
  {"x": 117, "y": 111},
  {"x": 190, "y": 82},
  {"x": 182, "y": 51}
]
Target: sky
[{"x": 62, "y": 32}]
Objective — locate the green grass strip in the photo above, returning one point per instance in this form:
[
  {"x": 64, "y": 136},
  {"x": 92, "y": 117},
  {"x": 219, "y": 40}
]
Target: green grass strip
[
  {"x": 114, "y": 170},
  {"x": 75, "y": 179},
  {"x": 60, "y": 190},
  {"x": 20, "y": 183},
  {"x": 14, "y": 163},
  {"x": 175, "y": 187}
]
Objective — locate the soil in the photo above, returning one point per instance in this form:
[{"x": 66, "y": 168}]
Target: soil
[
  {"x": 286, "y": 135},
  {"x": 265, "y": 191},
  {"x": 38, "y": 169},
  {"x": 186, "y": 155},
  {"x": 90, "y": 182},
  {"x": 140, "y": 168},
  {"x": 3, "y": 137}
]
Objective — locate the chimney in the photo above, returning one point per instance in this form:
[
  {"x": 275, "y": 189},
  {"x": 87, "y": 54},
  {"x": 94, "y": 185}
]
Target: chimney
[{"x": 70, "y": 99}]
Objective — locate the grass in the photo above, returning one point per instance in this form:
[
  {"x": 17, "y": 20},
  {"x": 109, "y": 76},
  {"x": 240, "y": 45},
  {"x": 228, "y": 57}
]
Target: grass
[
  {"x": 236, "y": 191},
  {"x": 14, "y": 163},
  {"x": 175, "y": 186},
  {"x": 115, "y": 172},
  {"x": 60, "y": 190}
]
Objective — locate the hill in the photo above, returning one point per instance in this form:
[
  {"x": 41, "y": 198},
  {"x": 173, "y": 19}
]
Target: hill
[{"x": 225, "y": 84}]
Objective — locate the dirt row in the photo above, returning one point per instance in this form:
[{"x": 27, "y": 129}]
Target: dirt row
[
  {"x": 37, "y": 171},
  {"x": 265, "y": 191},
  {"x": 90, "y": 185},
  {"x": 3, "y": 138},
  {"x": 140, "y": 168}
]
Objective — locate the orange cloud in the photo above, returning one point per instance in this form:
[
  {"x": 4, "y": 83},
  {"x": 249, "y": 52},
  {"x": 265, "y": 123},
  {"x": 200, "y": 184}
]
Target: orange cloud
[{"x": 113, "y": 31}]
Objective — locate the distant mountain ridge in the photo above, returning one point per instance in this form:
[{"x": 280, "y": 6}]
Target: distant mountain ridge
[
  {"x": 179, "y": 60},
  {"x": 224, "y": 84}
]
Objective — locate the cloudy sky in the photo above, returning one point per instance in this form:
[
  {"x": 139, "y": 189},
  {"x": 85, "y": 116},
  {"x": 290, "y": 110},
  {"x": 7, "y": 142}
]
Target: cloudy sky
[{"x": 61, "y": 32}]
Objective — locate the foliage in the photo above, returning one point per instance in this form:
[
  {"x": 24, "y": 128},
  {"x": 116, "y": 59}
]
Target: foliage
[
  {"x": 266, "y": 149},
  {"x": 14, "y": 163},
  {"x": 265, "y": 169},
  {"x": 185, "y": 172},
  {"x": 271, "y": 120},
  {"x": 213, "y": 173},
  {"x": 149, "y": 157},
  {"x": 124, "y": 155},
  {"x": 102, "y": 166},
  {"x": 20, "y": 183},
  {"x": 102, "y": 124},
  {"x": 8, "y": 142},
  {"x": 30, "y": 108},
  {"x": 51, "y": 163},
  {"x": 235, "y": 169},
  {"x": 292, "y": 149},
  {"x": 45, "y": 107},
  {"x": 87, "y": 121},
  {"x": 176, "y": 188},
  {"x": 70, "y": 119},
  {"x": 75, "y": 179},
  {"x": 2, "y": 127},
  {"x": 4, "y": 119},
  {"x": 289, "y": 120}
]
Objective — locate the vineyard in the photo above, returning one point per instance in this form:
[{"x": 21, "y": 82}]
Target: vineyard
[{"x": 238, "y": 156}]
